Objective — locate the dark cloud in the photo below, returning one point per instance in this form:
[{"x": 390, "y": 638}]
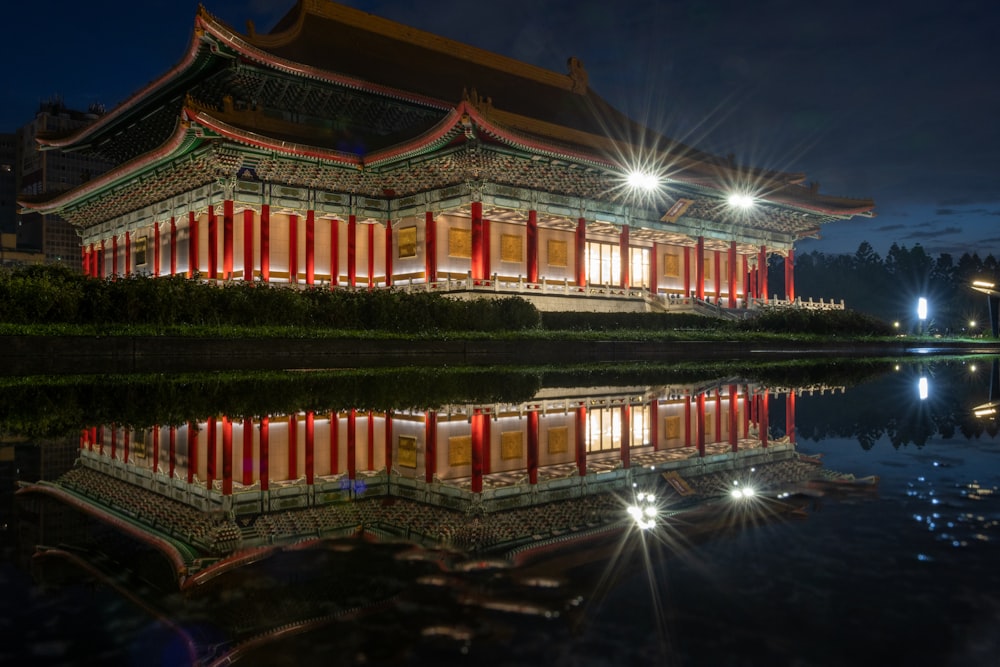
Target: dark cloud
[
  {"x": 937, "y": 233},
  {"x": 889, "y": 228}
]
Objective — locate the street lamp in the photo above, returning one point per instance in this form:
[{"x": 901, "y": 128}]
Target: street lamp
[
  {"x": 922, "y": 312},
  {"x": 992, "y": 301}
]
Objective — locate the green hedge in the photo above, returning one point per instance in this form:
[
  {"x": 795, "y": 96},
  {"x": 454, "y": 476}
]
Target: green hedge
[
  {"x": 818, "y": 322},
  {"x": 55, "y": 295}
]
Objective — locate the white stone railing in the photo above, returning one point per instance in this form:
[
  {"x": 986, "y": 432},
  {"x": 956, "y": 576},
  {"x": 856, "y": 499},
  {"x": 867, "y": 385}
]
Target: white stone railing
[
  {"x": 807, "y": 304},
  {"x": 509, "y": 285}
]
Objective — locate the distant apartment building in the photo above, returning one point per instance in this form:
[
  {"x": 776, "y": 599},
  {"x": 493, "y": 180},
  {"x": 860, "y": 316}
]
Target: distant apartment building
[{"x": 41, "y": 173}]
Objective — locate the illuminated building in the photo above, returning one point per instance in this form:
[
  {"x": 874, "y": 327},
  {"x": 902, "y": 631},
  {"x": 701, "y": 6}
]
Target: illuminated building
[{"x": 346, "y": 150}]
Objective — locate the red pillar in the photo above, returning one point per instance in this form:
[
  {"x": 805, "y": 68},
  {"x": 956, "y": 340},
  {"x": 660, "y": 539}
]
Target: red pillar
[
  {"x": 84, "y": 261},
  {"x": 430, "y": 446},
  {"x": 477, "y": 240},
  {"x": 699, "y": 424},
  {"x": 265, "y": 453},
  {"x": 352, "y": 443},
  {"x": 247, "y": 245},
  {"x": 334, "y": 253},
  {"x": 734, "y": 427},
  {"x": 687, "y": 271},
  {"x": 581, "y": 252},
  {"x": 265, "y": 243},
  {"x": 101, "y": 261},
  {"x": 371, "y": 256},
  {"x": 624, "y": 253},
  {"x": 531, "y": 243},
  {"x": 533, "y": 447},
  {"x": 227, "y": 456},
  {"x": 227, "y": 239},
  {"x": 762, "y": 273},
  {"x": 430, "y": 248},
  {"x": 293, "y": 249},
  {"x": 388, "y": 253},
  {"x": 790, "y": 275},
  {"x": 156, "y": 249},
  {"x": 717, "y": 256},
  {"x": 653, "y": 270},
  {"x": 790, "y": 415},
  {"x": 128, "y": 254},
  {"x": 213, "y": 244},
  {"x": 173, "y": 246},
  {"x": 581, "y": 440},
  {"x": 699, "y": 268},
  {"x": 193, "y": 249},
  {"x": 310, "y": 446},
  {"x": 114, "y": 255},
  {"x": 352, "y": 250},
  {"x": 310, "y": 247},
  {"x": 293, "y": 447},
  {"x": 246, "y": 477},
  {"x": 477, "y": 451},
  {"x": 487, "y": 266},
  {"x": 732, "y": 274}
]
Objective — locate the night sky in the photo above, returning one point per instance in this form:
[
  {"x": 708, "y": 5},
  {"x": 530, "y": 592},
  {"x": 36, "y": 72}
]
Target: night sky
[{"x": 897, "y": 100}]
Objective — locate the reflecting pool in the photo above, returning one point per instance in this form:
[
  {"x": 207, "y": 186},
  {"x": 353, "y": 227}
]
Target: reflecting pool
[{"x": 780, "y": 515}]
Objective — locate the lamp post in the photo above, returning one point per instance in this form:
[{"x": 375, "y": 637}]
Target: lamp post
[
  {"x": 921, "y": 313},
  {"x": 992, "y": 301}
]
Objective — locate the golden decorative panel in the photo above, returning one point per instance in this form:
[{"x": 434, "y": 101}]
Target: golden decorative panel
[
  {"x": 407, "y": 239},
  {"x": 460, "y": 243},
  {"x": 672, "y": 428},
  {"x": 558, "y": 437},
  {"x": 140, "y": 251},
  {"x": 511, "y": 445},
  {"x": 460, "y": 450},
  {"x": 708, "y": 269},
  {"x": 557, "y": 255},
  {"x": 511, "y": 248},
  {"x": 709, "y": 424},
  {"x": 407, "y": 451},
  {"x": 671, "y": 266}
]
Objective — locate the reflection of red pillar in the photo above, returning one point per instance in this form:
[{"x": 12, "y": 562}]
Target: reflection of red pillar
[
  {"x": 388, "y": 253},
  {"x": 293, "y": 447},
  {"x": 533, "y": 446},
  {"x": 334, "y": 253},
  {"x": 718, "y": 416},
  {"x": 790, "y": 275},
  {"x": 334, "y": 443},
  {"x": 172, "y": 465},
  {"x": 731, "y": 263},
  {"x": 430, "y": 248},
  {"x": 265, "y": 243},
  {"x": 790, "y": 415},
  {"x": 247, "y": 245},
  {"x": 125, "y": 445},
  {"x": 352, "y": 443},
  {"x": 247, "y": 477},
  {"x": 310, "y": 445},
  {"x": 531, "y": 243},
  {"x": 156, "y": 449},
  {"x": 733, "y": 417},
  {"x": 212, "y": 453},
  {"x": 581, "y": 440},
  {"x": 192, "y": 447},
  {"x": 265, "y": 453},
  {"x": 310, "y": 247},
  {"x": 388, "y": 443},
  {"x": 227, "y": 457},
  {"x": 654, "y": 423},
  {"x": 114, "y": 441},
  {"x": 352, "y": 251},
  {"x": 746, "y": 412},
  {"x": 699, "y": 425},
  {"x": 227, "y": 239},
  {"x": 687, "y": 421},
  {"x": 430, "y": 446},
  {"x": 370, "y": 465},
  {"x": 477, "y": 240},
  {"x": 477, "y": 451},
  {"x": 626, "y": 437},
  {"x": 581, "y": 252},
  {"x": 699, "y": 268},
  {"x": 626, "y": 264},
  {"x": 293, "y": 248},
  {"x": 763, "y": 423}
]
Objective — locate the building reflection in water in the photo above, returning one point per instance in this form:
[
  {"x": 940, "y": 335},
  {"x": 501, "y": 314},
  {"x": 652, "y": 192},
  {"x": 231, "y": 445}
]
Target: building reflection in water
[{"x": 468, "y": 486}]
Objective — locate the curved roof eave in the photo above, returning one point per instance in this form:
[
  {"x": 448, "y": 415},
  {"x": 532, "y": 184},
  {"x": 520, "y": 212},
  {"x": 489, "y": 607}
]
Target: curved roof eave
[{"x": 179, "y": 142}]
